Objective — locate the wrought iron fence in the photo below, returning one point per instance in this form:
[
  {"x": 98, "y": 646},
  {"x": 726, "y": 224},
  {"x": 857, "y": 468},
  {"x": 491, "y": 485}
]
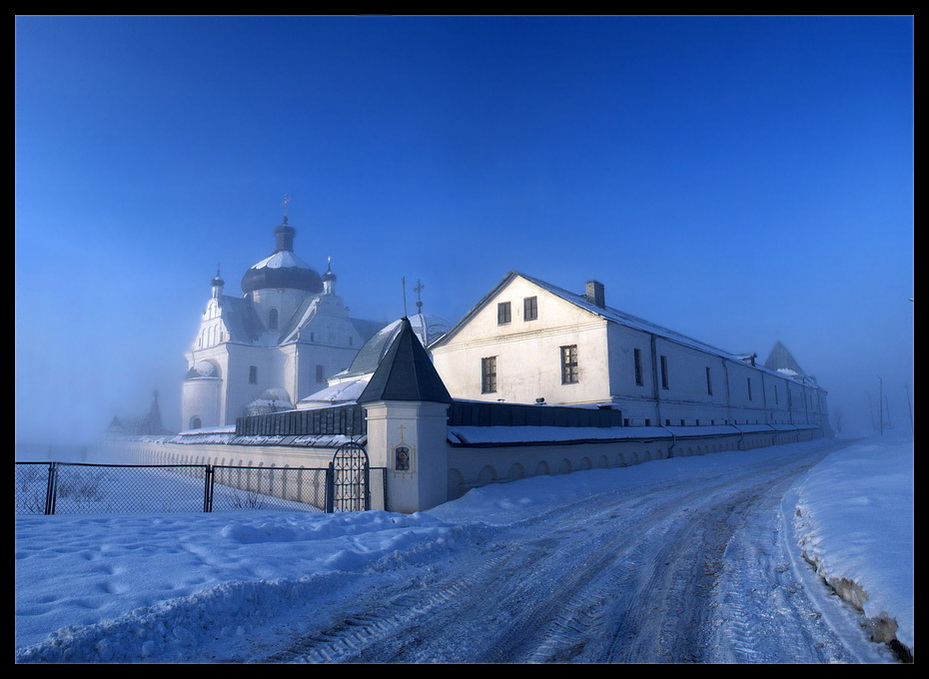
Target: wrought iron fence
[{"x": 84, "y": 488}]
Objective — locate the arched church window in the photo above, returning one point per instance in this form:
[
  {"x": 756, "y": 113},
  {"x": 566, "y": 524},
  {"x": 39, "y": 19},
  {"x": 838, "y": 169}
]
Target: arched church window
[
  {"x": 272, "y": 319},
  {"x": 252, "y": 374},
  {"x": 195, "y": 423}
]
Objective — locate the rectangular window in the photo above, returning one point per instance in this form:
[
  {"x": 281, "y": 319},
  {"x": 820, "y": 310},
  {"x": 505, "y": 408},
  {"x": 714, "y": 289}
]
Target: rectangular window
[
  {"x": 638, "y": 367},
  {"x": 748, "y": 386},
  {"x": 776, "y": 401},
  {"x": 569, "y": 373},
  {"x": 503, "y": 313},
  {"x": 530, "y": 308},
  {"x": 252, "y": 375},
  {"x": 489, "y": 375},
  {"x": 709, "y": 382},
  {"x": 320, "y": 374},
  {"x": 664, "y": 372}
]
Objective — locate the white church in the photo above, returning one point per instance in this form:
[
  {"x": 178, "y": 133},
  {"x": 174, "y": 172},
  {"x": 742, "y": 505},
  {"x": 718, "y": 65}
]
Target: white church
[{"x": 273, "y": 346}]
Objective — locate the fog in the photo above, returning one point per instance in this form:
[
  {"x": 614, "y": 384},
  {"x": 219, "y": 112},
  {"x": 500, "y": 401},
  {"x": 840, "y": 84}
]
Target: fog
[{"x": 741, "y": 180}]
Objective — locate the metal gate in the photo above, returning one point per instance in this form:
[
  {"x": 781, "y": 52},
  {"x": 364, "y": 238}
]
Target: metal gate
[{"x": 349, "y": 476}]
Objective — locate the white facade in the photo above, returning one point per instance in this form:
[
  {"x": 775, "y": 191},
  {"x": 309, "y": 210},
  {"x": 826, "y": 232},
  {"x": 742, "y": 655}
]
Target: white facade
[
  {"x": 531, "y": 342},
  {"x": 271, "y": 347}
]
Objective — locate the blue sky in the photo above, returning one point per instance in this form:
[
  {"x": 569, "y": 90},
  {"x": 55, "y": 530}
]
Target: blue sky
[{"x": 742, "y": 180}]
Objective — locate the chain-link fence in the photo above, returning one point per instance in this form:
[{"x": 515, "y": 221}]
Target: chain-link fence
[
  {"x": 268, "y": 488},
  {"x": 81, "y": 488}
]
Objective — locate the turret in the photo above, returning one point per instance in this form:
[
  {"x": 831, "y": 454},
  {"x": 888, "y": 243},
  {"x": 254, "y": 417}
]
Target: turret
[
  {"x": 218, "y": 284},
  {"x": 329, "y": 280}
]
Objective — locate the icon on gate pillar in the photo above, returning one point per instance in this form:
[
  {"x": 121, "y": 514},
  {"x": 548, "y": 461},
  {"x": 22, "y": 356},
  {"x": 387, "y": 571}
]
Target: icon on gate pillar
[
  {"x": 402, "y": 458},
  {"x": 403, "y": 455}
]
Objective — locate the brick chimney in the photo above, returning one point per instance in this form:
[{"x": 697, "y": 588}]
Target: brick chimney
[{"x": 595, "y": 293}]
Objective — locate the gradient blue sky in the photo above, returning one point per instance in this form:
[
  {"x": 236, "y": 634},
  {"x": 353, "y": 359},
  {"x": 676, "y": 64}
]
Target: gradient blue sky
[{"x": 742, "y": 180}]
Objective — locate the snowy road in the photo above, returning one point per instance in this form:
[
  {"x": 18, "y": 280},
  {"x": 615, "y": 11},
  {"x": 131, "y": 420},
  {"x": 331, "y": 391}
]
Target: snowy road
[{"x": 693, "y": 570}]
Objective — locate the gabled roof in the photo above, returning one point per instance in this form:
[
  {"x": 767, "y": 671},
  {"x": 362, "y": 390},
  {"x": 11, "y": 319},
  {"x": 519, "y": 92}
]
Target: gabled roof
[
  {"x": 370, "y": 356},
  {"x": 309, "y": 308},
  {"x": 581, "y": 301},
  {"x": 367, "y": 329},
  {"x": 301, "y": 317},
  {"x": 405, "y": 373},
  {"x": 240, "y": 320},
  {"x": 605, "y": 312}
]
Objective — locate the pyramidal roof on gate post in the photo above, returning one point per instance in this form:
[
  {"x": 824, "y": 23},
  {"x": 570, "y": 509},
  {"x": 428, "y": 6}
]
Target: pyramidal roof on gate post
[{"x": 405, "y": 373}]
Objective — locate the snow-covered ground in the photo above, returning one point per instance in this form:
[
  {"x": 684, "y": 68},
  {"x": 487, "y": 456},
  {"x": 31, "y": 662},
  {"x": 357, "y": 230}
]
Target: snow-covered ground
[{"x": 136, "y": 588}]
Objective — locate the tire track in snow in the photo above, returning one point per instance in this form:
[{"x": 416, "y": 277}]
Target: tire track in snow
[{"x": 644, "y": 583}]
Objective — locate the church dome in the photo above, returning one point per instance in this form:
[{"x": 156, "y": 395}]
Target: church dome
[{"x": 283, "y": 269}]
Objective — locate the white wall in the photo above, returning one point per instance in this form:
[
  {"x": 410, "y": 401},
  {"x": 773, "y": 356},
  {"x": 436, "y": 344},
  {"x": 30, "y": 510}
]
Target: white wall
[
  {"x": 528, "y": 352},
  {"x": 474, "y": 466}
]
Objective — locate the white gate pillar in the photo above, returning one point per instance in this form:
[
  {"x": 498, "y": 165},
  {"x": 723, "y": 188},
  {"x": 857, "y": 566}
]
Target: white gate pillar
[
  {"x": 407, "y": 415},
  {"x": 409, "y": 439}
]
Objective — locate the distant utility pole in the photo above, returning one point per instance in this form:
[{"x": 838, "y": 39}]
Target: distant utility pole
[{"x": 880, "y": 404}]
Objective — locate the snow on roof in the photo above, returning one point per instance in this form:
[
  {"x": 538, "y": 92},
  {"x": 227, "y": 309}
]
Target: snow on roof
[
  {"x": 241, "y": 320},
  {"x": 623, "y": 318},
  {"x": 280, "y": 260},
  {"x": 341, "y": 393}
]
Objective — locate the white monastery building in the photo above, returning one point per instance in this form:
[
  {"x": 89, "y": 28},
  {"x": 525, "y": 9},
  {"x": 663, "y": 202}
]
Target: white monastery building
[
  {"x": 531, "y": 342},
  {"x": 533, "y": 380},
  {"x": 273, "y": 346}
]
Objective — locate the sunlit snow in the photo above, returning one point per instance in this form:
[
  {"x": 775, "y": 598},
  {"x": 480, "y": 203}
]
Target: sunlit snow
[{"x": 130, "y": 588}]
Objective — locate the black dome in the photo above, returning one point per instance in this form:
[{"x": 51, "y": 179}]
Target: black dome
[
  {"x": 283, "y": 269},
  {"x": 296, "y": 278}
]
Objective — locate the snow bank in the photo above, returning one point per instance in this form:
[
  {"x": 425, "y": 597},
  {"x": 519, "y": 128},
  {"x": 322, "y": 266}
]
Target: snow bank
[
  {"x": 854, "y": 523},
  {"x": 81, "y": 574}
]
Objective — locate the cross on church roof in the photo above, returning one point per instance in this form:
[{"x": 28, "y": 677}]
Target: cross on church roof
[{"x": 419, "y": 299}]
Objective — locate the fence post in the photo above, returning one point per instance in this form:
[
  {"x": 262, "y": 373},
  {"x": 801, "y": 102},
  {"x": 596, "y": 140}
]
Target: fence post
[
  {"x": 208, "y": 489},
  {"x": 51, "y": 488},
  {"x": 330, "y": 489},
  {"x": 367, "y": 481}
]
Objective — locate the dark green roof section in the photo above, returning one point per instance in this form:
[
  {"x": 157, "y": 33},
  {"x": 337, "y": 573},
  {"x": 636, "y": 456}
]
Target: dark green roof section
[{"x": 405, "y": 373}]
